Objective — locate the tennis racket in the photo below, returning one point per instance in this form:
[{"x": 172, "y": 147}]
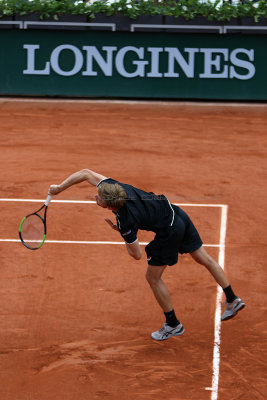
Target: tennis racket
[{"x": 32, "y": 229}]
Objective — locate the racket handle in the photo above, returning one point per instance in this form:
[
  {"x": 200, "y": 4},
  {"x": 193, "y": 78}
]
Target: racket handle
[{"x": 48, "y": 199}]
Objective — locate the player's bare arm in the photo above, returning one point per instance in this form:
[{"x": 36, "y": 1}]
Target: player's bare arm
[
  {"x": 134, "y": 249},
  {"x": 81, "y": 176},
  {"x": 113, "y": 226}
]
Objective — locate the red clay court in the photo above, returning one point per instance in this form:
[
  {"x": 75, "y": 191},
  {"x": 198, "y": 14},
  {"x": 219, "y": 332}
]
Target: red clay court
[{"x": 76, "y": 315}]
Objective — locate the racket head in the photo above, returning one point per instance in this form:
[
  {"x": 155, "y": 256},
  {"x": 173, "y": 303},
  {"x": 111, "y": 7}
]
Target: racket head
[{"x": 32, "y": 231}]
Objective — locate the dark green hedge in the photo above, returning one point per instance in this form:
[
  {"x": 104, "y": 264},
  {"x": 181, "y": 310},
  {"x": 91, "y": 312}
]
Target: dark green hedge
[{"x": 189, "y": 9}]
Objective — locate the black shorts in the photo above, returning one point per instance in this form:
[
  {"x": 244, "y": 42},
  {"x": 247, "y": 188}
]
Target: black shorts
[{"x": 181, "y": 237}]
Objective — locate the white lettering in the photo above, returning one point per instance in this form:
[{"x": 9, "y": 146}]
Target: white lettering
[
  {"x": 154, "y": 73},
  {"x": 78, "y": 57},
  {"x": 210, "y": 62},
  {"x": 140, "y": 65},
  {"x": 93, "y": 54},
  {"x": 242, "y": 64},
  {"x": 187, "y": 67},
  {"x": 130, "y": 62},
  {"x": 31, "y": 61}
]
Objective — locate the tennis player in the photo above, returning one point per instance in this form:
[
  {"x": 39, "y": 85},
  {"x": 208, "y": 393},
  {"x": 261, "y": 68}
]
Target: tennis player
[{"x": 174, "y": 233}]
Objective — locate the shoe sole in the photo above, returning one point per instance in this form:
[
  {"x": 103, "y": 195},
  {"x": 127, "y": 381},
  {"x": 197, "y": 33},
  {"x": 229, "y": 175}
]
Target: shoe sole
[
  {"x": 238, "y": 308},
  {"x": 181, "y": 331}
]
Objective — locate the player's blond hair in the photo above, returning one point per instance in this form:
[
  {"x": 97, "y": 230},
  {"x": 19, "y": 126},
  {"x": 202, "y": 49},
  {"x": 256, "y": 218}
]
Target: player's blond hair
[{"x": 112, "y": 194}]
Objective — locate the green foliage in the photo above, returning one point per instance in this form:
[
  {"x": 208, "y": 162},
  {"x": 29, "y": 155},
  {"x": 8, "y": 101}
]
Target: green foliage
[{"x": 188, "y": 9}]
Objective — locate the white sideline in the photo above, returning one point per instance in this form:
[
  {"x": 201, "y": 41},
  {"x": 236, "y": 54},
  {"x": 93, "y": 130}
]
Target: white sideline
[
  {"x": 217, "y": 321},
  {"x": 93, "y": 202},
  {"x": 221, "y": 261}
]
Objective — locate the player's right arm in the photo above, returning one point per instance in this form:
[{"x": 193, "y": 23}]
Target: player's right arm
[
  {"x": 81, "y": 176},
  {"x": 133, "y": 248}
]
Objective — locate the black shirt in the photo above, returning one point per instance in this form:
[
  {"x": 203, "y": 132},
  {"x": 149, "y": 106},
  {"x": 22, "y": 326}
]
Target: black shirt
[{"x": 142, "y": 210}]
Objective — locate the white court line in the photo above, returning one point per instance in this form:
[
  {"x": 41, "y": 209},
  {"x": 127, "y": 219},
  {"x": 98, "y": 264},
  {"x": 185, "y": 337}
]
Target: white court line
[
  {"x": 53, "y": 201},
  {"x": 93, "y": 202},
  {"x": 217, "y": 321},
  {"x": 91, "y": 242}
]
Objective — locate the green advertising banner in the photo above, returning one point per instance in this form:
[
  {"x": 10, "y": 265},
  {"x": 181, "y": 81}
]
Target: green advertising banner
[{"x": 133, "y": 65}]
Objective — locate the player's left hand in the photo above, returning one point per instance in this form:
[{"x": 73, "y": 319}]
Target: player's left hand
[{"x": 113, "y": 226}]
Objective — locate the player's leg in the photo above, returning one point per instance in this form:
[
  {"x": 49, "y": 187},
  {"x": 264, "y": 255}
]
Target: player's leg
[
  {"x": 160, "y": 291},
  {"x": 233, "y": 303},
  {"x": 203, "y": 258},
  {"x": 172, "y": 327}
]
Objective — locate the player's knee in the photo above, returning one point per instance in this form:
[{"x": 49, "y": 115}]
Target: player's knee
[
  {"x": 207, "y": 262},
  {"x": 151, "y": 279},
  {"x": 201, "y": 260},
  {"x": 202, "y": 257}
]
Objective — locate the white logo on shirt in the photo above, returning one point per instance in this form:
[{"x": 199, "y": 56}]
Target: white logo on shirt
[{"x": 127, "y": 233}]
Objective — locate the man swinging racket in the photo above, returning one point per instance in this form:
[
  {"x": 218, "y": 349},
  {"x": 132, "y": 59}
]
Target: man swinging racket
[{"x": 174, "y": 233}]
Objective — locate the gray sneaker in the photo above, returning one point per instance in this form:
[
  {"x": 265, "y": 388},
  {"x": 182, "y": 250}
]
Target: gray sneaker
[
  {"x": 232, "y": 309},
  {"x": 166, "y": 332}
]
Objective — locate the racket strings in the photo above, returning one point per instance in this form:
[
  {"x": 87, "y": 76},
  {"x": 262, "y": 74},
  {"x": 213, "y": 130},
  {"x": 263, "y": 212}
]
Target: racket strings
[{"x": 33, "y": 231}]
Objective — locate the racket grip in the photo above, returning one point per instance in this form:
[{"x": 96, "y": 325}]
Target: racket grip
[{"x": 48, "y": 199}]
